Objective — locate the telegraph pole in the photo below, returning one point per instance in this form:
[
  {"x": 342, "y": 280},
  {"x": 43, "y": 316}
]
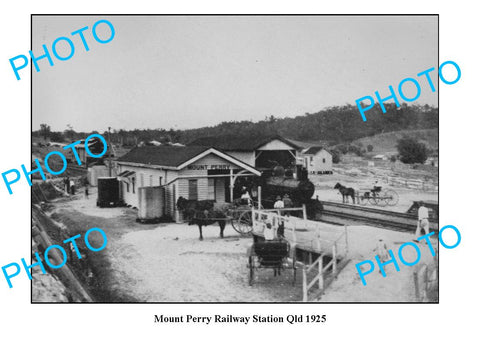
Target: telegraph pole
[{"x": 109, "y": 154}]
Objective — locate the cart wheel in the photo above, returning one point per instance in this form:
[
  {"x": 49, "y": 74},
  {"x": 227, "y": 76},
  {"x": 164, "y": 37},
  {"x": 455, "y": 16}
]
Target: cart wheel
[
  {"x": 362, "y": 200},
  {"x": 391, "y": 197},
  {"x": 373, "y": 200},
  {"x": 382, "y": 200},
  {"x": 243, "y": 224},
  {"x": 252, "y": 271}
]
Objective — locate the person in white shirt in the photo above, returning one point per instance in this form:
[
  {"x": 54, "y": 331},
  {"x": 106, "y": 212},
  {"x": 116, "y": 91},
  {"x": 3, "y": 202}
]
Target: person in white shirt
[
  {"x": 278, "y": 203},
  {"x": 382, "y": 251},
  {"x": 246, "y": 198},
  {"x": 423, "y": 222},
  {"x": 72, "y": 186}
]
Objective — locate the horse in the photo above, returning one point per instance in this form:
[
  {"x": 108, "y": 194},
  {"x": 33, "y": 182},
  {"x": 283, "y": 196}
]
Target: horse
[
  {"x": 202, "y": 213},
  {"x": 346, "y": 192}
]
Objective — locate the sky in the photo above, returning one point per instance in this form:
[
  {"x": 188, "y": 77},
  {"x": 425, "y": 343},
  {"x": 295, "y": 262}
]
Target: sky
[{"x": 192, "y": 71}]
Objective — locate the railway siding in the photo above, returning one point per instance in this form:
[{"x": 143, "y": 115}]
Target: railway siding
[{"x": 349, "y": 214}]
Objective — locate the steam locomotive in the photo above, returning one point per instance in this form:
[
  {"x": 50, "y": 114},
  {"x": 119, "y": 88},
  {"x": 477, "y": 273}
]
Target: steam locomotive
[{"x": 300, "y": 189}]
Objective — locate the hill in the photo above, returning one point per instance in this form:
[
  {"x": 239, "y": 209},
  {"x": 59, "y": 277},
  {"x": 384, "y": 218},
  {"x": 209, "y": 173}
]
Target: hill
[
  {"x": 339, "y": 124},
  {"x": 386, "y": 142}
]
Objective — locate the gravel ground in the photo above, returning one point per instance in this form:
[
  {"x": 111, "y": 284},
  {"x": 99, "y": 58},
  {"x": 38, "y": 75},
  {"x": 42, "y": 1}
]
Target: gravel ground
[{"x": 167, "y": 262}]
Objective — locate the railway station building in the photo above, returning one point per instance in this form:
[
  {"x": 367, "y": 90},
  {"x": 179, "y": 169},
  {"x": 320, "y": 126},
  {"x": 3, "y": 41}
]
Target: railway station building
[{"x": 193, "y": 172}]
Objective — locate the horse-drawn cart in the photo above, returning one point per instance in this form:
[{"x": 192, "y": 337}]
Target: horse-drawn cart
[
  {"x": 241, "y": 219},
  {"x": 240, "y": 216},
  {"x": 270, "y": 255},
  {"x": 377, "y": 196}
]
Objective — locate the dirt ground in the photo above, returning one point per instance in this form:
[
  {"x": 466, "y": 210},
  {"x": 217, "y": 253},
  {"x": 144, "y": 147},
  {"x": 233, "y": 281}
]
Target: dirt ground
[
  {"x": 167, "y": 262},
  {"x": 364, "y": 177}
]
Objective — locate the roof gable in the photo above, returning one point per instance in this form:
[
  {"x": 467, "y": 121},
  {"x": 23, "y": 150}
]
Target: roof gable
[
  {"x": 178, "y": 157},
  {"x": 240, "y": 143},
  {"x": 315, "y": 150},
  {"x": 223, "y": 156}
]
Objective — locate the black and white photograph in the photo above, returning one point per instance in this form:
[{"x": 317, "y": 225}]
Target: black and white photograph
[{"x": 235, "y": 158}]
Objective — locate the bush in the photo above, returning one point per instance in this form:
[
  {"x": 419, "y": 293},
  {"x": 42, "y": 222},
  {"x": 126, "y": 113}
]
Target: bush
[
  {"x": 393, "y": 158},
  {"x": 411, "y": 151},
  {"x": 356, "y": 150},
  {"x": 342, "y": 148},
  {"x": 56, "y": 137},
  {"x": 335, "y": 156},
  {"x": 352, "y": 148},
  {"x": 369, "y": 147}
]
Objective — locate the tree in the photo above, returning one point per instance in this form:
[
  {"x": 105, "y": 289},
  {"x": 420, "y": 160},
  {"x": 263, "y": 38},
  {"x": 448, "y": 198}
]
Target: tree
[
  {"x": 342, "y": 148},
  {"x": 44, "y": 131},
  {"x": 69, "y": 132},
  {"x": 369, "y": 148},
  {"x": 411, "y": 151},
  {"x": 56, "y": 137},
  {"x": 335, "y": 156}
]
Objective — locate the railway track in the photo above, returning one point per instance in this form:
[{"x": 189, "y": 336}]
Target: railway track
[{"x": 339, "y": 213}]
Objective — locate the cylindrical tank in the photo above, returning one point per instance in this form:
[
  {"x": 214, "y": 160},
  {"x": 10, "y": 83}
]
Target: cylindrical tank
[
  {"x": 150, "y": 203},
  {"x": 108, "y": 192}
]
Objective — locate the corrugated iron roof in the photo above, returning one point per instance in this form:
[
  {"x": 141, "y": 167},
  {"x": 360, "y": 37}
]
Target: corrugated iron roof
[
  {"x": 163, "y": 155},
  {"x": 239, "y": 143},
  {"x": 313, "y": 150}
]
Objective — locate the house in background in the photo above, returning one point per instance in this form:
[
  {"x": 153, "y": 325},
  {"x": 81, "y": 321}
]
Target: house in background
[
  {"x": 380, "y": 157},
  {"x": 317, "y": 160}
]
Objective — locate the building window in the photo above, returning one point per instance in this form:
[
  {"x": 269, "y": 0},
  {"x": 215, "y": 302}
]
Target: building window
[
  {"x": 142, "y": 184},
  {"x": 151, "y": 180},
  {"x": 128, "y": 187},
  {"x": 323, "y": 160},
  {"x": 192, "y": 189},
  {"x": 133, "y": 185},
  {"x": 160, "y": 180},
  {"x": 311, "y": 158}
]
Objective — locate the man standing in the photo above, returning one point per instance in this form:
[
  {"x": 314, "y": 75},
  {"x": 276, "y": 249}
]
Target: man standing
[
  {"x": 245, "y": 198},
  {"x": 67, "y": 184},
  {"x": 382, "y": 251},
  {"x": 287, "y": 202},
  {"x": 278, "y": 203},
  {"x": 422, "y": 220},
  {"x": 72, "y": 186}
]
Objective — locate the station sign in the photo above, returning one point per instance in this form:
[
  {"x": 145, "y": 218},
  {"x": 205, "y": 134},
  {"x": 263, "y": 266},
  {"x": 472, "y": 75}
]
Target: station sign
[{"x": 208, "y": 167}]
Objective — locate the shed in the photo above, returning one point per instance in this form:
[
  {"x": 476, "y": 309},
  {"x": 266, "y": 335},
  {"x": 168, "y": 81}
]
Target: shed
[
  {"x": 258, "y": 151},
  {"x": 318, "y": 160}
]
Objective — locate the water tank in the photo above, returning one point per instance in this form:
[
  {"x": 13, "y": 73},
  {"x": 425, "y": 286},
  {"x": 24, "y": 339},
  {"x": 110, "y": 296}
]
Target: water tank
[
  {"x": 151, "y": 203},
  {"x": 108, "y": 192}
]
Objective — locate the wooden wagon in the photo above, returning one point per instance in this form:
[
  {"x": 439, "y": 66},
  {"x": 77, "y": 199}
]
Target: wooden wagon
[{"x": 270, "y": 254}]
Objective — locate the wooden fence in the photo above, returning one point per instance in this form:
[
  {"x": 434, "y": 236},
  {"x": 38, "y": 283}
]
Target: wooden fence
[{"x": 311, "y": 238}]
